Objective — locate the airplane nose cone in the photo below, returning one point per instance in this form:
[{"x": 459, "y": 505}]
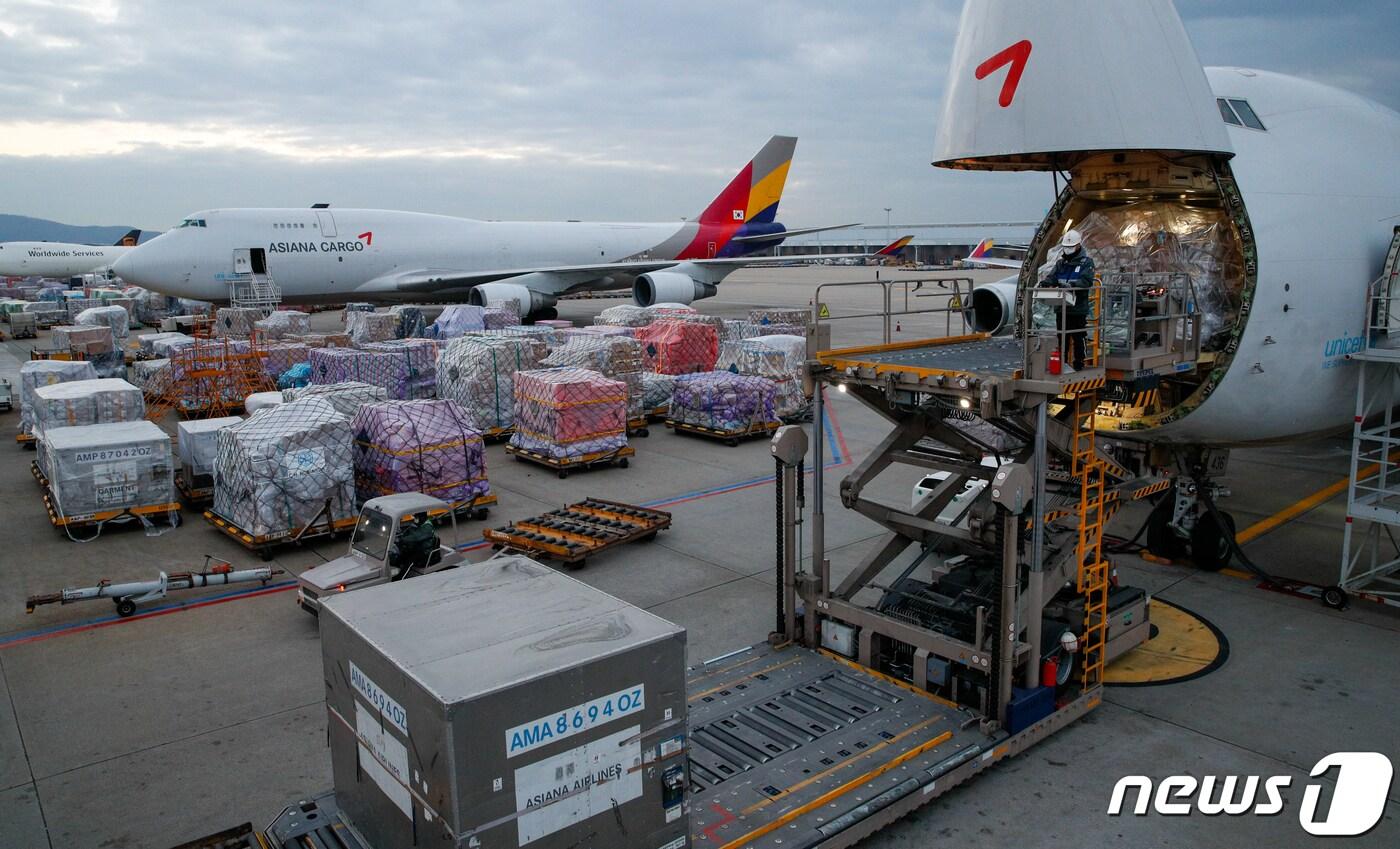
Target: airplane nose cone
[{"x": 125, "y": 268}]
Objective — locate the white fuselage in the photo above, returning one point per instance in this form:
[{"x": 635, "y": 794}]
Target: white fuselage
[
  {"x": 1322, "y": 193},
  {"x": 335, "y": 255},
  {"x": 56, "y": 259}
]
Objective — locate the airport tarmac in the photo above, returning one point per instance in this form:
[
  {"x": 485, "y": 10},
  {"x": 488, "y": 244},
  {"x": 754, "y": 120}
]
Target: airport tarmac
[{"x": 206, "y": 711}]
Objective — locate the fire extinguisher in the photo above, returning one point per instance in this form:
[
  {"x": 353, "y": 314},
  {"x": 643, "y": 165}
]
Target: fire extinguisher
[{"x": 1052, "y": 366}]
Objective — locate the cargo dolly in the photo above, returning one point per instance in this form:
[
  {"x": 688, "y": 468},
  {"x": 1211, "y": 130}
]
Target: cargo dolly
[
  {"x": 638, "y": 427},
  {"x": 728, "y": 437},
  {"x": 131, "y": 593},
  {"x": 195, "y": 496},
  {"x": 563, "y": 466},
  {"x": 264, "y": 544},
  {"x": 573, "y": 533},
  {"x": 497, "y": 434},
  {"x": 101, "y": 518}
]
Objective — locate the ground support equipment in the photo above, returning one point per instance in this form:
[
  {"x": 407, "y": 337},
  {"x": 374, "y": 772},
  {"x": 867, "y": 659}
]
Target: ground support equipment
[
  {"x": 129, "y": 594},
  {"x": 566, "y": 465},
  {"x": 573, "y": 533},
  {"x": 102, "y": 518},
  {"x": 728, "y": 437},
  {"x": 264, "y": 545}
]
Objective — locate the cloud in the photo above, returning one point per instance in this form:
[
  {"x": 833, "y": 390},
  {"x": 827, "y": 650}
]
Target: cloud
[{"x": 543, "y": 109}]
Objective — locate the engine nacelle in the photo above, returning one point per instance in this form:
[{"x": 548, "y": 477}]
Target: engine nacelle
[
  {"x": 992, "y": 307},
  {"x": 669, "y": 287},
  {"x": 531, "y": 302}
]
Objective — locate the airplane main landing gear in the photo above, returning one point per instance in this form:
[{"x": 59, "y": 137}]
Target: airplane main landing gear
[{"x": 1181, "y": 521}]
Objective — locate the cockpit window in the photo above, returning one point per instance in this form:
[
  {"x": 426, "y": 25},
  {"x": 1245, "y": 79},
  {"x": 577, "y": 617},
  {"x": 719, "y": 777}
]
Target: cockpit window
[
  {"x": 191, "y": 222},
  {"x": 1227, "y": 113},
  {"x": 1246, "y": 114}
]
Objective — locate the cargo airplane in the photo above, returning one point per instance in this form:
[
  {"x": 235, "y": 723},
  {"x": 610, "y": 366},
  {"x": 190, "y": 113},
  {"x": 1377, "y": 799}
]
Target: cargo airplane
[
  {"x": 336, "y": 255},
  {"x": 1277, "y": 197},
  {"x": 61, "y": 259}
]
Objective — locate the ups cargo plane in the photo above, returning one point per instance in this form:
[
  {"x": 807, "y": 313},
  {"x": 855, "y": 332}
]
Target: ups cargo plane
[
  {"x": 334, "y": 255},
  {"x": 61, "y": 259}
]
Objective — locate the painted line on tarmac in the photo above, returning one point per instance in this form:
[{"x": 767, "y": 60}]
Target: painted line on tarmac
[
  {"x": 836, "y": 440},
  {"x": 1303, "y": 505}
]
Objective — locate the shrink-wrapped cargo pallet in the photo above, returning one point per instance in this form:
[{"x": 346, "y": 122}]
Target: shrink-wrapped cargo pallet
[
  {"x": 569, "y": 413},
  {"x": 47, "y": 313},
  {"x": 365, "y": 327},
  {"x": 778, "y": 358},
  {"x": 724, "y": 401},
  {"x": 497, "y": 318},
  {"x": 149, "y": 375},
  {"x": 398, "y": 371},
  {"x": 411, "y": 324},
  {"x": 457, "y": 319},
  {"x": 169, "y": 343},
  {"x": 152, "y": 307},
  {"x": 556, "y": 323},
  {"x": 146, "y": 343},
  {"x": 284, "y": 467},
  {"x": 88, "y": 340},
  {"x": 625, "y": 315},
  {"x": 418, "y": 446},
  {"x": 413, "y": 374},
  {"x": 103, "y": 467},
  {"x": 670, "y": 346},
  {"x": 86, "y": 402},
  {"x": 236, "y": 322},
  {"x": 478, "y": 372},
  {"x": 787, "y": 317},
  {"x": 656, "y": 391},
  {"x": 604, "y": 330},
  {"x": 78, "y": 304},
  {"x": 283, "y": 323},
  {"x": 36, "y": 373},
  {"x": 198, "y": 443},
  {"x": 282, "y": 356},
  {"x": 673, "y": 310},
  {"x": 322, "y": 340},
  {"x": 347, "y": 398},
  {"x": 295, "y": 377},
  {"x": 614, "y": 357}
]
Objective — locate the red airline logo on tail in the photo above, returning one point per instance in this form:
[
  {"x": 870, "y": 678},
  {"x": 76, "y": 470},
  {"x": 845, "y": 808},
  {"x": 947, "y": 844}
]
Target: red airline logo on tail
[{"x": 1016, "y": 55}]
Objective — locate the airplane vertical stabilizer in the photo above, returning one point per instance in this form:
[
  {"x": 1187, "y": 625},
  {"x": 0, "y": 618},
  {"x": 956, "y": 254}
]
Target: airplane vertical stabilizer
[{"x": 1033, "y": 85}]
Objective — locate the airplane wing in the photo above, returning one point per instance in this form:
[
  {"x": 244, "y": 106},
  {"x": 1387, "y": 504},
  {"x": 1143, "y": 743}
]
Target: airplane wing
[
  {"x": 558, "y": 279},
  {"x": 774, "y": 237},
  {"x": 995, "y": 262}
]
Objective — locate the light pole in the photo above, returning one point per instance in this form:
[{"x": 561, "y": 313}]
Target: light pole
[{"x": 888, "y": 238}]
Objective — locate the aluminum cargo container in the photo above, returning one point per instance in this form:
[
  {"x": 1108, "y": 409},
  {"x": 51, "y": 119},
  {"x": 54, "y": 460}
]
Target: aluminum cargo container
[{"x": 504, "y": 704}]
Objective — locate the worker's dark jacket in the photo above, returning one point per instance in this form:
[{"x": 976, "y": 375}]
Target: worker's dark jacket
[{"x": 1076, "y": 273}]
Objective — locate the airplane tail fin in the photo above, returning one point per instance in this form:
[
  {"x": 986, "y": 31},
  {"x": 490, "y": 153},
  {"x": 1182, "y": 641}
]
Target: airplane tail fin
[
  {"x": 752, "y": 196},
  {"x": 896, "y": 247},
  {"x": 981, "y": 249},
  {"x": 129, "y": 240}
]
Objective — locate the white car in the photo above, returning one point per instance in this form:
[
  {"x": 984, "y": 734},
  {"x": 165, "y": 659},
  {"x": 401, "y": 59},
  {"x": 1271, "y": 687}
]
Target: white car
[{"x": 953, "y": 512}]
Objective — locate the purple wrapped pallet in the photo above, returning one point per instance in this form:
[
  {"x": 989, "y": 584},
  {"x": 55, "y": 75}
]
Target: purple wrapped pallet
[
  {"x": 499, "y": 318},
  {"x": 733, "y": 403},
  {"x": 414, "y": 375},
  {"x": 457, "y": 319},
  {"x": 418, "y": 446},
  {"x": 400, "y": 370}
]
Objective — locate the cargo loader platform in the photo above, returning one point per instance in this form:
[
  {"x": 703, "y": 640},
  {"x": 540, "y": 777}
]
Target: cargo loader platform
[{"x": 571, "y": 534}]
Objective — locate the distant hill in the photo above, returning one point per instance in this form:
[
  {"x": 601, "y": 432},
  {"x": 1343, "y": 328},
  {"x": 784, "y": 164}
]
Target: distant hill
[{"x": 22, "y": 228}]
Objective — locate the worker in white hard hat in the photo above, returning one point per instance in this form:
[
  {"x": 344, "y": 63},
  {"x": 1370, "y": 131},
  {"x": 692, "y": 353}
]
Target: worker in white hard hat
[{"x": 1074, "y": 271}]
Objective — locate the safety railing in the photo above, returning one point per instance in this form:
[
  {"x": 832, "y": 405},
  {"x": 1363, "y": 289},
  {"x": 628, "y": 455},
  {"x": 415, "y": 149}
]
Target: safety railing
[
  {"x": 955, "y": 292},
  {"x": 1150, "y": 320},
  {"x": 1055, "y": 324},
  {"x": 1383, "y": 313}
]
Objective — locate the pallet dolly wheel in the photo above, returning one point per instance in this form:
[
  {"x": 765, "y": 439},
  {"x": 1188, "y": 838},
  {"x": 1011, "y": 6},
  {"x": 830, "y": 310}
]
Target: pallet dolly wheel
[
  {"x": 563, "y": 473},
  {"x": 732, "y": 442},
  {"x": 623, "y": 463},
  {"x": 1335, "y": 598},
  {"x": 644, "y": 433},
  {"x": 265, "y": 554},
  {"x": 481, "y": 513},
  {"x": 649, "y": 537},
  {"x": 125, "y": 607}
]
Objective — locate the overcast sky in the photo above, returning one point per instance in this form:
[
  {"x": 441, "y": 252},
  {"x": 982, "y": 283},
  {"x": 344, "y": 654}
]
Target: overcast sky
[{"x": 119, "y": 112}]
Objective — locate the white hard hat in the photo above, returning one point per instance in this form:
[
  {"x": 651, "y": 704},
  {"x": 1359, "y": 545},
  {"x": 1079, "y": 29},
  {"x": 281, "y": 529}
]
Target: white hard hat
[
  {"x": 1071, "y": 240},
  {"x": 1068, "y": 641}
]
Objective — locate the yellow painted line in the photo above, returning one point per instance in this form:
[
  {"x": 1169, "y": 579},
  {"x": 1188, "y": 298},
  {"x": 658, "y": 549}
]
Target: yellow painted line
[
  {"x": 729, "y": 684},
  {"x": 837, "y": 792},
  {"x": 903, "y": 685},
  {"x": 843, "y": 764},
  {"x": 1298, "y": 508}
]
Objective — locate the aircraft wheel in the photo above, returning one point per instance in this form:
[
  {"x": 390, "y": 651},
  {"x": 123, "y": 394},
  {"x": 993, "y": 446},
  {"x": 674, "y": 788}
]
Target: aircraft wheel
[
  {"x": 1161, "y": 539},
  {"x": 125, "y": 607},
  {"x": 1211, "y": 546}
]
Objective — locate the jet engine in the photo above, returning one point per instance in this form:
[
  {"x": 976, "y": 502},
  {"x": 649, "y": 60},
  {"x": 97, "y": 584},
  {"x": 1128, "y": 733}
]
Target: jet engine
[
  {"x": 531, "y": 302},
  {"x": 669, "y": 287},
  {"x": 992, "y": 307}
]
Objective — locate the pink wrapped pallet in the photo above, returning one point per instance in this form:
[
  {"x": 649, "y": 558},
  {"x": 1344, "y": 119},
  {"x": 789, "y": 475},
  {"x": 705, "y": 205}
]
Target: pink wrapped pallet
[
  {"x": 559, "y": 323},
  {"x": 569, "y": 413},
  {"x": 607, "y": 330},
  {"x": 418, "y": 446},
  {"x": 679, "y": 347}
]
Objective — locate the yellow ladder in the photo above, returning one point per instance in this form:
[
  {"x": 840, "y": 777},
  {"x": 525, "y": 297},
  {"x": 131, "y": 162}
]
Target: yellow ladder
[{"x": 1092, "y": 579}]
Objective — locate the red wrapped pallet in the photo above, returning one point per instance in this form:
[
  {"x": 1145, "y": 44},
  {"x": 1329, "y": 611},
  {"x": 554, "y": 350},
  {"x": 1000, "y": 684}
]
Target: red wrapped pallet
[
  {"x": 678, "y": 347},
  {"x": 569, "y": 413}
]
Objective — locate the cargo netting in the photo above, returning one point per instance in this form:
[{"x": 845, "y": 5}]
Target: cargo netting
[
  {"x": 411, "y": 322},
  {"x": 724, "y": 401},
  {"x": 37, "y": 373},
  {"x": 625, "y": 315},
  {"x": 346, "y": 398},
  {"x": 281, "y": 356},
  {"x": 236, "y": 322},
  {"x": 295, "y": 377},
  {"x": 614, "y": 357},
  {"x": 146, "y": 342},
  {"x": 365, "y": 327},
  {"x": 406, "y": 371},
  {"x": 283, "y": 323},
  {"x": 569, "y": 413},
  {"x": 671, "y": 346},
  {"x": 149, "y": 375},
  {"x": 789, "y": 317},
  {"x": 548, "y": 335},
  {"x": 478, "y": 372},
  {"x": 656, "y": 391},
  {"x": 322, "y": 340},
  {"x": 418, "y": 446},
  {"x": 778, "y": 358},
  {"x": 102, "y": 467},
  {"x": 284, "y": 468}
]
